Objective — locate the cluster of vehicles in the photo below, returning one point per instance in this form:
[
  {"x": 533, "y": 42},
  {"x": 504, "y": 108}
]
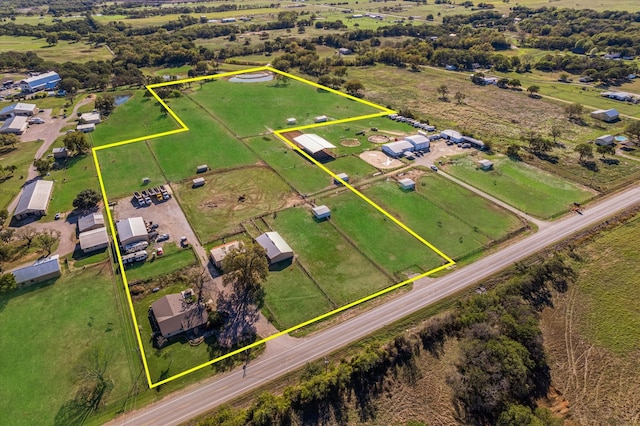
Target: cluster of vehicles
[
  {"x": 412, "y": 122},
  {"x": 147, "y": 196}
]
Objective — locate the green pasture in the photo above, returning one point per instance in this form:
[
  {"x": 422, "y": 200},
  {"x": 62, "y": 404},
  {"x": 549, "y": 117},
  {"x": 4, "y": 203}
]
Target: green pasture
[
  {"x": 450, "y": 217},
  {"x": 207, "y": 142},
  {"x": 352, "y": 165},
  {"x": 49, "y": 332},
  {"x": 77, "y": 173},
  {"x": 301, "y": 173},
  {"x": 254, "y": 108},
  {"x": 61, "y": 52},
  {"x": 338, "y": 268},
  {"x": 137, "y": 117},
  {"x": 216, "y": 208},
  {"x": 525, "y": 187},
  {"x": 292, "y": 298},
  {"x": 124, "y": 167},
  {"x": 608, "y": 289},
  {"x": 381, "y": 240},
  {"x": 171, "y": 261},
  {"x": 21, "y": 157}
]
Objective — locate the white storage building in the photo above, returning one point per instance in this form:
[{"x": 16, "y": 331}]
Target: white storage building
[
  {"x": 132, "y": 230},
  {"x": 34, "y": 200},
  {"x": 276, "y": 247}
]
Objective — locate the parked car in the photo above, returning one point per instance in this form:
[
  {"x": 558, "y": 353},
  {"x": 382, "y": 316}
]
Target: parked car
[
  {"x": 36, "y": 120},
  {"x": 57, "y": 216},
  {"x": 162, "y": 237},
  {"x": 155, "y": 226},
  {"x": 434, "y": 168}
]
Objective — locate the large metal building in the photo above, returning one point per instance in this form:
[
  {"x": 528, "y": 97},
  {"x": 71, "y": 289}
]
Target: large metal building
[
  {"x": 34, "y": 200},
  {"x": 132, "y": 230},
  {"x": 42, "y": 270},
  {"x": 276, "y": 247}
]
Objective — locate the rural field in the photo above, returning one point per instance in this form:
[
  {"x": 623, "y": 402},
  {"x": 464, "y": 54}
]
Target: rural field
[
  {"x": 172, "y": 260},
  {"x": 340, "y": 269},
  {"x": 275, "y": 102},
  {"x": 525, "y": 187},
  {"x": 79, "y": 173},
  {"x": 231, "y": 197},
  {"x": 79, "y": 306},
  {"x": 592, "y": 331},
  {"x": 450, "y": 217},
  {"x": 61, "y": 52},
  {"x": 21, "y": 157},
  {"x": 137, "y": 117}
]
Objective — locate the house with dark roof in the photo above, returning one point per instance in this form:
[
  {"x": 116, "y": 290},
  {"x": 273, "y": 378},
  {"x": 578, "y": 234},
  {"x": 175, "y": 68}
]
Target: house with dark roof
[{"x": 178, "y": 313}]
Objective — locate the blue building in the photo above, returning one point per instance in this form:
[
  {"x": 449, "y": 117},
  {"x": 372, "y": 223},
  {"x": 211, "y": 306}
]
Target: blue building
[{"x": 46, "y": 81}]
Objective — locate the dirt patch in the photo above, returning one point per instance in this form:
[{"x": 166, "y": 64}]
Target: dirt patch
[
  {"x": 350, "y": 142},
  {"x": 380, "y": 160},
  {"x": 378, "y": 139}
]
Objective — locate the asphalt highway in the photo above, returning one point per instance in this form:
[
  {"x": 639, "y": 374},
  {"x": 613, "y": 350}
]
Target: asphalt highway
[{"x": 282, "y": 358}]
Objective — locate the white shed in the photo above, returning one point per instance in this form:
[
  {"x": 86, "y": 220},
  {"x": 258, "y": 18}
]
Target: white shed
[
  {"x": 407, "y": 184},
  {"x": 343, "y": 176},
  {"x": 485, "y": 164},
  {"x": 321, "y": 212},
  {"x": 276, "y": 247},
  {"x": 198, "y": 182},
  {"x": 605, "y": 140}
]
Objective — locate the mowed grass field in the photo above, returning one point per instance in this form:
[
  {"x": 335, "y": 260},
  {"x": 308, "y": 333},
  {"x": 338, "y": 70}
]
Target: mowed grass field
[
  {"x": 249, "y": 109},
  {"x": 207, "y": 142},
  {"x": 48, "y": 333},
  {"x": 137, "y": 117},
  {"x": 171, "y": 261},
  {"x": 608, "y": 289},
  {"x": 216, "y": 209},
  {"x": 61, "y": 52},
  {"x": 338, "y": 268},
  {"x": 450, "y": 217},
  {"x": 79, "y": 174},
  {"x": 21, "y": 157},
  {"x": 378, "y": 237},
  {"x": 525, "y": 187},
  {"x": 124, "y": 167}
]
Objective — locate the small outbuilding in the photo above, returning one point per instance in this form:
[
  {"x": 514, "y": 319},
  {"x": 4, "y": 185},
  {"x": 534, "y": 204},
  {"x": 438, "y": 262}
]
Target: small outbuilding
[
  {"x": 343, "y": 176},
  {"x": 397, "y": 149},
  {"x": 60, "y": 153},
  {"x": 276, "y": 247},
  {"x": 198, "y": 182},
  {"x": 90, "y": 222},
  {"x": 90, "y": 118},
  {"x": 34, "y": 200},
  {"x": 202, "y": 168},
  {"x": 131, "y": 231},
  {"x": 605, "y": 140},
  {"x": 218, "y": 253},
  {"x": 314, "y": 145},
  {"x": 291, "y": 121},
  {"x": 485, "y": 164},
  {"x": 18, "y": 109},
  {"x": 16, "y": 125},
  {"x": 42, "y": 270},
  {"x": 95, "y": 239},
  {"x": 419, "y": 142},
  {"x": 606, "y": 115},
  {"x": 476, "y": 143},
  {"x": 321, "y": 212},
  {"x": 407, "y": 184},
  {"x": 85, "y": 128},
  {"x": 321, "y": 119}
]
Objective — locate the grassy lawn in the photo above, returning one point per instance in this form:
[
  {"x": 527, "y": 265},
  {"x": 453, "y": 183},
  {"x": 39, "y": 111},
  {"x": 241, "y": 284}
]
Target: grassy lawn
[
  {"x": 228, "y": 102},
  {"x": 61, "y": 52},
  {"x": 21, "y": 157},
  {"x": 450, "y": 217},
  {"x": 137, "y": 117},
  {"x": 215, "y": 209},
  {"x": 525, "y": 187},
  {"x": 303, "y": 175},
  {"x": 48, "y": 333},
  {"x": 123, "y": 168},
  {"x": 206, "y": 143},
  {"x": 291, "y": 297},
  {"x": 79, "y": 174},
  {"x": 171, "y": 261},
  {"x": 337, "y": 267},
  {"x": 381, "y": 240},
  {"x": 608, "y": 288},
  {"x": 352, "y": 165}
]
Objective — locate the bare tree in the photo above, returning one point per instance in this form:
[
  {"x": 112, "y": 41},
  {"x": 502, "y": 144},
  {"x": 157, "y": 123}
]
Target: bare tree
[
  {"x": 28, "y": 234},
  {"x": 46, "y": 240}
]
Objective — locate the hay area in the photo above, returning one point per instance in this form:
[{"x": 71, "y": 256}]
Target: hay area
[
  {"x": 380, "y": 160},
  {"x": 378, "y": 139},
  {"x": 350, "y": 142}
]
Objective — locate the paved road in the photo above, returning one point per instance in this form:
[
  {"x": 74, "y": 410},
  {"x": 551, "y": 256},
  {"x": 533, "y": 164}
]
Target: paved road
[{"x": 282, "y": 358}]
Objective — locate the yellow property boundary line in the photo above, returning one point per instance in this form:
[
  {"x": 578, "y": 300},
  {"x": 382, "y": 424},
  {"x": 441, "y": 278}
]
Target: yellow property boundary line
[{"x": 279, "y": 133}]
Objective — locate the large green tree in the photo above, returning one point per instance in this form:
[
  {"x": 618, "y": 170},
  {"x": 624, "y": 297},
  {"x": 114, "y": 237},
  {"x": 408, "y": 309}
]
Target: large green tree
[
  {"x": 584, "y": 150},
  {"x": 246, "y": 268},
  {"x": 76, "y": 141},
  {"x": 105, "y": 104},
  {"x": 7, "y": 282},
  {"x": 86, "y": 199},
  {"x": 633, "y": 130}
]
